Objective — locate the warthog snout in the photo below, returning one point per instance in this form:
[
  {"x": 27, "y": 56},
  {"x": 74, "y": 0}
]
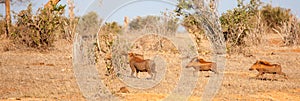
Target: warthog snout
[
  {"x": 186, "y": 66},
  {"x": 252, "y": 67},
  {"x": 191, "y": 64}
]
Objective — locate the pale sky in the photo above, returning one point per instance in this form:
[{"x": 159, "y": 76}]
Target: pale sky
[{"x": 115, "y": 10}]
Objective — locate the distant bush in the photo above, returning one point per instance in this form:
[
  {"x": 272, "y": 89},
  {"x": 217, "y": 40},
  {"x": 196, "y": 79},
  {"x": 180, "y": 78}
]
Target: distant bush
[
  {"x": 170, "y": 22},
  {"x": 167, "y": 24},
  {"x": 112, "y": 27},
  {"x": 245, "y": 24},
  {"x": 38, "y": 31},
  {"x": 283, "y": 22},
  {"x": 88, "y": 24},
  {"x": 107, "y": 34},
  {"x": 144, "y": 22},
  {"x": 275, "y": 16}
]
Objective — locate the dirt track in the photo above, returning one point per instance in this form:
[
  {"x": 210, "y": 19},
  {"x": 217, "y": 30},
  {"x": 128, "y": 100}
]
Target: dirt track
[{"x": 32, "y": 75}]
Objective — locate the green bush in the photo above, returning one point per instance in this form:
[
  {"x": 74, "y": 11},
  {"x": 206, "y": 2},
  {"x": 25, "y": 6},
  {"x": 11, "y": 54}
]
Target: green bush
[
  {"x": 38, "y": 31},
  {"x": 239, "y": 24},
  {"x": 275, "y": 16},
  {"x": 236, "y": 24},
  {"x": 245, "y": 24},
  {"x": 282, "y": 21}
]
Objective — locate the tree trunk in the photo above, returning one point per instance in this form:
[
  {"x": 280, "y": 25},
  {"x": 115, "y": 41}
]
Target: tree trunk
[
  {"x": 72, "y": 18},
  {"x": 71, "y": 9},
  {"x": 7, "y": 17},
  {"x": 51, "y": 3}
]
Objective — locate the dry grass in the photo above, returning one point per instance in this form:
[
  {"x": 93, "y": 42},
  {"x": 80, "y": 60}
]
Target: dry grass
[{"x": 31, "y": 75}]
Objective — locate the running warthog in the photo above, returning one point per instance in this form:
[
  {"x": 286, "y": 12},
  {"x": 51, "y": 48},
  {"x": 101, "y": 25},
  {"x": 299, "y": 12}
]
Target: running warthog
[
  {"x": 265, "y": 67},
  {"x": 202, "y": 65}
]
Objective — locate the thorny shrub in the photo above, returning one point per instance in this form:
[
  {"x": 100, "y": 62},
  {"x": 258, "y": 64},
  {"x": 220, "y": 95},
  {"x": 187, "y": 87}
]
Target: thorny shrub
[
  {"x": 239, "y": 24},
  {"x": 107, "y": 35},
  {"x": 275, "y": 16},
  {"x": 38, "y": 31},
  {"x": 244, "y": 25},
  {"x": 283, "y": 22}
]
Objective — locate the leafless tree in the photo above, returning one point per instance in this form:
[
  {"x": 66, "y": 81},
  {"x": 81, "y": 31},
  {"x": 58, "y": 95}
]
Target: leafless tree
[{"x": 7, "y": 17}]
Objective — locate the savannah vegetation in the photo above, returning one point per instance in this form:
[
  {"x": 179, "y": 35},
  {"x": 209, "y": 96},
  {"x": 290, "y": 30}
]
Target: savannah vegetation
[
  {"x": 245, "y": 24},
  {"x": 243, "y": 27}
]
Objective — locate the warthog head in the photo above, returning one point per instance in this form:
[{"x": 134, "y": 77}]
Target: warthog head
[
  {"x": 254, "y": 66},
  {"x": 130, "y": 55},
  {"x": 191, "y": 64}
]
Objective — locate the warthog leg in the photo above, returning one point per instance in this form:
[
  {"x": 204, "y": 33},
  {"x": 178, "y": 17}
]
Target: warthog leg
[
  {"x": 137, "y": 73},
  {"x": 132, "y": 71},
  {"x": 197, "y": 69},
  {"x": 285, "y": 76},
  {"x": 213, "y": 70},
  {"x": 260, "y": 74},
  {"x": 150, "y": 73},
  {"x": 153, "y": 76},
  {"x": 273, "y": 77}
]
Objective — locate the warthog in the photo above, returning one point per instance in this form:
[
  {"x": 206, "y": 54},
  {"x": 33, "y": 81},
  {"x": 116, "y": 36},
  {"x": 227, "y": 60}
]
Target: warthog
[
  {"x": 135, "y": 55},
  {"x": 123, "y": 90},
  {"x": 202, "y": 65},
  {"x": 265, "y": 67},
  {"x": 138, "y": 64}
]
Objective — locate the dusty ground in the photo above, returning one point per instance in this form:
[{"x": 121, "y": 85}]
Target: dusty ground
[{"x": 32, "y": 75}]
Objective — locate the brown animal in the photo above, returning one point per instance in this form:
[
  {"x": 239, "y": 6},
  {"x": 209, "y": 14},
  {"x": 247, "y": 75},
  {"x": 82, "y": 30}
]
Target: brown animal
[
  {"x": 265, "y": 67},
  {"x": 138, "y": 64},
  {"x": 135, "y": 55},
  {"x": 202, "y": 65},
  {"x": 123, "y": 90}
]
